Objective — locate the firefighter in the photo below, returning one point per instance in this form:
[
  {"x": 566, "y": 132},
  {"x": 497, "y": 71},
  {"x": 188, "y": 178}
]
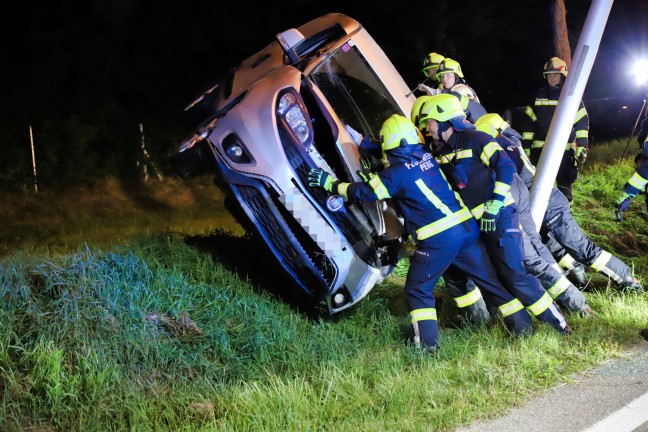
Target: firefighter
[
  {"x": 562, "y": 235},
  {"x": 538, "y": 259},
  {"x": 430, "y": 68},
  {"x": 639, "y": 180},
  {"x": 443, "y": 229},
  {"x": 452, "y": 78},
  {"x": 466, "y": 295},
  {"x": 538, "y": 119},
  {"x": 481, "y": 172}
]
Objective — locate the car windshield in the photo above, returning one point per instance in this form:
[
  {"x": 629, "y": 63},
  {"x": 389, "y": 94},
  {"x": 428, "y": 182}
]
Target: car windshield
[{"x": 353, "y": 89}]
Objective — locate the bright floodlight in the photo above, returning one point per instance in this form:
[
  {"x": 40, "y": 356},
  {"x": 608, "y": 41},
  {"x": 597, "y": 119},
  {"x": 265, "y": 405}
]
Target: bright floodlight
[{"x": 640, "y": 71}]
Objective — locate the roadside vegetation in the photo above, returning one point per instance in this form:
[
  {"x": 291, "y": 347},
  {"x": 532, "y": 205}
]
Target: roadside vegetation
[{"x": 147, "y": 308}]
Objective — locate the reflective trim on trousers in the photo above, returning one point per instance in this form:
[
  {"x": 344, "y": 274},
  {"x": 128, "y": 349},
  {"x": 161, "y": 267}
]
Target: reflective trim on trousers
[
  {"x": 567, "y": 262},
  {"x": 468, "y": 299},
  {"x": 559, "y": 287},
  {"x": 541, "y": 305},
  {"x": 511, "y": 307}
]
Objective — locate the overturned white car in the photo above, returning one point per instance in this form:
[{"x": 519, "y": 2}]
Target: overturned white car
[{"x": 289, "y": 108}]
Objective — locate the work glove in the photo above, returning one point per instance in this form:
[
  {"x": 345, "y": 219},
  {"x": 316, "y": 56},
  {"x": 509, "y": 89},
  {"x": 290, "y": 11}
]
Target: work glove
[
  {"x": 428, "y": 90},
  {"x": 368, "y": 169},
  {"x": 490, "y": 215},
  {"x": 581, "y": 154},
  {"x": 319, "y": 177},
  {"x": 623, "y": 204}
]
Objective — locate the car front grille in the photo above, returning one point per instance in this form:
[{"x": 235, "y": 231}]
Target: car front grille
[{"x": 290, "y": 243}]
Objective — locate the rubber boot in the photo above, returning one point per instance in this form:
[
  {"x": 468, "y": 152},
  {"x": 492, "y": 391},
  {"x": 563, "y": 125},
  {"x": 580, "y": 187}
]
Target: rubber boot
[
  {"x": 426, "y": 329},
  {"x": 577, "y": 275},
  {"x": 470, "y": 303}
]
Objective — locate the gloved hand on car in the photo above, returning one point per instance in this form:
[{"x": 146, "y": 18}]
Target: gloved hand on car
[
  {"x": 368, "y": 169},
  {"x": 623, "y": 204},
  {"x": 320, "y": 178},
  {"x": 487, "y": 223}
]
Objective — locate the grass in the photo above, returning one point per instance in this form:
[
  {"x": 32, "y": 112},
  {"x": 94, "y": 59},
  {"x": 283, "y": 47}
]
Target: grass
[{"x": 138, "y": 311}]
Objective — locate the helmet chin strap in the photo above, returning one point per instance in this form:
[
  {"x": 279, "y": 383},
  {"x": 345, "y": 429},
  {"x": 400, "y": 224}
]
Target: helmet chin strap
[{"x": 443, "y": 127}]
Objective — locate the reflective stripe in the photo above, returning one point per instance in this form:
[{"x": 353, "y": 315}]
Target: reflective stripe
[
  {"x": 447, "y": 158},
  {"x": 431, "y": 196},
  {"x": 443, "y": 224},
  {"x": 342, "y": 190},
  {"x": 529, "y": 111},
  {"x": 571, "y": 146},
  {"x": 525, "y": 159},
  {"x": 379, "y": 188},
  {"x": 541, "y": 305},
  {"x": 527, "y": 136},
  {"x": 567, "y": 262},
  {"x": 464, "y": 154},
  {"x": 423, "y": 314},
  {"x": 601, "y": 261},
  {"x": 510, "y": 308},
  {"x": 537, "y": 144},
  {"x": 559, "y": 287},
  {"x": 501, "y": 188},
  {"x": 580, "y": 114},
  {"x": 468, "y": 299},
  {"x": 581, "y": 133},
  {"x": 489, "y": 150},
  {"x": 637, "y": 181},
  {"x": 546, "y": 102}
]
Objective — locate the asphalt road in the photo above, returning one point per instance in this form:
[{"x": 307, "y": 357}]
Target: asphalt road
[{"x": 612, "y": 397}]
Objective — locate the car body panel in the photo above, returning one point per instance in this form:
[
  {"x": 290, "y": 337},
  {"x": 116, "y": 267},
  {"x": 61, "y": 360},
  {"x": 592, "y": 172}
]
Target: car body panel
[{"x": 286, "y": 110}]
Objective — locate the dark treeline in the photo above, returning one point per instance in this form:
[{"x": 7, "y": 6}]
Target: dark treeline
[{"x": 85, "y": 74}]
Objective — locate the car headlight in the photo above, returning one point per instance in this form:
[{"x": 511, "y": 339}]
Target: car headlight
[{"x": 291, "y": 109}]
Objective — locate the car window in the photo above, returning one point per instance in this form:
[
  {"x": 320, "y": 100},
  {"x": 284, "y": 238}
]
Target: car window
[{"x": 354, "y": 90}]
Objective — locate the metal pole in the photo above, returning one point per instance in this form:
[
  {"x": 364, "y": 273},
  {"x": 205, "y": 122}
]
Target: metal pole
[
  {"x": 568, "y": 103},
  {"x": 31, "y": 139}
]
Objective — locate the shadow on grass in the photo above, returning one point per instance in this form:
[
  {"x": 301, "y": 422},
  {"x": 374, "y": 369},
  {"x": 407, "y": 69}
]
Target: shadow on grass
[{"x": 249, "y": 259}]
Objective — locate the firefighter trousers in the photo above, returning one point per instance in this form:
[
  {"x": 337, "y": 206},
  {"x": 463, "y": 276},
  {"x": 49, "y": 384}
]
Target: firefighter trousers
[
  {"x": 563, "y": 236},
  {"x": 468, "y": 254},
  {"x": 539, "y": 261},
  {"x": 505, "y": 247}
]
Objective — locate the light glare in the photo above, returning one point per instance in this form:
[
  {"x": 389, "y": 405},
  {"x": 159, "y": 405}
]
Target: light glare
[{"x": 640, "y": 71}]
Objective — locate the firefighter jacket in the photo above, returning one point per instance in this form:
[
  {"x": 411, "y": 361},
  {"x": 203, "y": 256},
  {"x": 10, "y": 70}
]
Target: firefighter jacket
[
  {"x": 471, "y": 106},
  {"x": 639, "y": 180},
  {"x": 425, "y": 199},
  {"x": 509, "y": 140},
  {"x": 478, "y": 168},
  {"x": 538, "y": 119}
]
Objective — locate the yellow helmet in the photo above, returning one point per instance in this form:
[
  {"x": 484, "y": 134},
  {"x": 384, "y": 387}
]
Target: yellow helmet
[
  {"x": 396, "y": 129},
  {"x": 449, "y": 65},
  {"x": 555, "y": 65},
  {"x": 431, "y": 64},
  {"x": 444, "y": 107},
  {"x": 493, "y": 124},
  {"x": 416, "y": 108}
]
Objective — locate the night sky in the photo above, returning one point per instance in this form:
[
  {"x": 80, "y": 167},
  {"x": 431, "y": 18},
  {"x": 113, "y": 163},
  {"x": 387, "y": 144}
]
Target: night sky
[{"x": 70, "y": 63}]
